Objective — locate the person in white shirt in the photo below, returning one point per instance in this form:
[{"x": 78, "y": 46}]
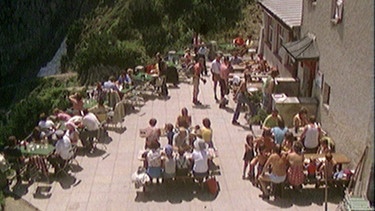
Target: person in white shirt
[
  {"x": 63, "y": 151},
  {"x": 200, "y": 158},
  {"x": 215, "y": 70},
  {"x": 202, "y": 53},
  {"x": 91, "y": 126}
]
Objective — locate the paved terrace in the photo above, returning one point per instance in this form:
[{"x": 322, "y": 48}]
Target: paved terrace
[{"x": 103, "y": 182}]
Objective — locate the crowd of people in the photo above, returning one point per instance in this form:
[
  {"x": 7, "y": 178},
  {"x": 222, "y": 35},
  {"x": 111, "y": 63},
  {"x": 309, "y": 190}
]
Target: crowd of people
[
  {"x": 278, "y": 156},
  {"x": 186, "y": 154}
]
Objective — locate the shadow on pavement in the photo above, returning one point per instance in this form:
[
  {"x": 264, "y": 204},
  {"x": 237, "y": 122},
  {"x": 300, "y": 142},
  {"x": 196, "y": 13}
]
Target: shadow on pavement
[
  {"x": 306, "y": 197},
  {"x": 174, "y": 192}
]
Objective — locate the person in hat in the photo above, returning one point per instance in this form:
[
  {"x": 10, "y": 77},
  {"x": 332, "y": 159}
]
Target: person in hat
[
  {"x": 62, "y": 152},
  {"x": 199, "y": 158},
  {"x": 169, "y": 163},
  {"x": 72, "y": 132}
]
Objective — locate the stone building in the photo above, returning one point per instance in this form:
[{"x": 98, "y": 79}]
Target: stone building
[{"x": 333, "y": 50}]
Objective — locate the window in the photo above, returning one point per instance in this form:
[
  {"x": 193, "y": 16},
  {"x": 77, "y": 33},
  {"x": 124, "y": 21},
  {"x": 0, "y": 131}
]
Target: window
[
  {"x": 270, "y": 30},
  {"x": 326, "y": 94},
  {"x": 337, "y": 10},
  {"x": 280, "y": 38}
]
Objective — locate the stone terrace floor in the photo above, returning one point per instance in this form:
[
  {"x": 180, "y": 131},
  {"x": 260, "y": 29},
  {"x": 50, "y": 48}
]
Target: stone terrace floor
[{"x": 103, "y": 181}]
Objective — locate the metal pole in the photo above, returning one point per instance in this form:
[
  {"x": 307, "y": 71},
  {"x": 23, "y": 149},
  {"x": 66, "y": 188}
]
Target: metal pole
[{"x": 326, "y": 187}]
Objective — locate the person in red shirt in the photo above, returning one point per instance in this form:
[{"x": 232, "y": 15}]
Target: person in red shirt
[{"x": 238, "y": 41}]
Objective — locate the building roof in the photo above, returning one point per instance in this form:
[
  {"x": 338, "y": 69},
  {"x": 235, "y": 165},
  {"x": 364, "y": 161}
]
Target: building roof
[
  {"x": 303, "y": 49},
  {"x": 288, "y": 11}
]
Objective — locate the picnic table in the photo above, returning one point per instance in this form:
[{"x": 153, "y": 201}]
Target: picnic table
[{"x": 37, "y": 149}]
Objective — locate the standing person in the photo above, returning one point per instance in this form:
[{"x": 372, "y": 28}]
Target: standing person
[
  {"x": 242, "y": 96},
  {"x": 279, "y": 165},
  {"x": 225, "y": 69},
  {"x": 196, "y": 41},
  {"x": 162, "y": 69},
  {"x": 215, "y": 70},
  {"x": 269, "y": 88},
  {"x": 248, "y": 156},
  {"x": 198, "y": 67},
  {"x": 77, "y": 103},
  {"x": 311, "y": 135},
  {"x": 202, "y": 53},
  {"x": 295, "y": 158}
]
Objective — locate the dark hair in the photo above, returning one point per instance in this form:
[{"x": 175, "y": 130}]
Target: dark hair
[
  {"x": 281, "y": 123},
  {"x": 152, "y": 121},
  {"x": 206, "y": 122},
  {"x": 85, "y": 111},
  {"x": 267, "y": 132},
  {"x": 289, "y": 136},
  {"x": 329, "y": 156},
  {"x": 43, "y": 116},
  {"x": 249, "y": 138},
  {"x": 12, "y": 140},
  {"x": 297, "y": 146}
]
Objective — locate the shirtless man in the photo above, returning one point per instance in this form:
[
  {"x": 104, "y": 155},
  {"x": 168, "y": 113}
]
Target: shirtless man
[{"x": 279, "y": 165}]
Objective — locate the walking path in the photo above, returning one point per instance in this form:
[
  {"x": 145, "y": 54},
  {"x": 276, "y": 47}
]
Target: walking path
[{"x": 104, "y": 180}]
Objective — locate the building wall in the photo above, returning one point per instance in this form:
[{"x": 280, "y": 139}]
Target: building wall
[
  {"x": 347, "y": 62},
  {"x": 271, "y": 51}
]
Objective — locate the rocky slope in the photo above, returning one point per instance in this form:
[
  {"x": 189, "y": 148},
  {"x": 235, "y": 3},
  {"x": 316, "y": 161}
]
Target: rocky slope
[{"x": 30, "y": 33}]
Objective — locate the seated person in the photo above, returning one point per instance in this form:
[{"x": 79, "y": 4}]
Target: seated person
[
  {"x": 199, "y": 158},
  {"x": 63, "y": 151},
  {"x": 279, "y": 165},
  {"x": 259, "y": 160},
  {"x": 110, "y": 84},
  {"x": 236, "y": 60},
  {"x": 13, "y": 155},
  {"x": 152, "y": 133},
  {"x": 90, "y": 128},
  {"x": 125, "y": 78},
  {"x": 46, "y": 125},
  {"x": 327, "y": 168},
  {"x": 100, "y": 93},
  {"x": 72, "y": 133},
  {"x": 154, "y": 161},
  {"x": 272, "y": 119},
  {"x": 61, "y": 115},
  {"x": 77, "y": 103},
  {"x": 279, "y": 132},
  {"x": 181, "y": 139},
  {"x": 169, "y": 130},
  {"x": 36, "y": 135},
  {"x": 169, "y": 163},
  {"x": 182, "y": 164},
  {"x": 207, "y": 132},
  {"x": 266, "y": 140},
  {"x": 184, "y": 120},
  {"x": 300, "y": 119},
  {"x": 101, "y": 111}
]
